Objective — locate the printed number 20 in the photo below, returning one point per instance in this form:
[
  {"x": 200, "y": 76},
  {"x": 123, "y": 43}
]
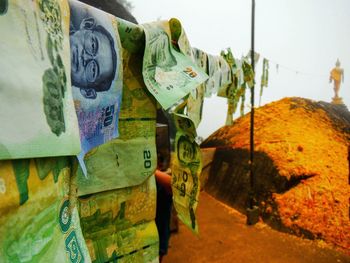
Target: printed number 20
[{"x": 146, "y": 159}]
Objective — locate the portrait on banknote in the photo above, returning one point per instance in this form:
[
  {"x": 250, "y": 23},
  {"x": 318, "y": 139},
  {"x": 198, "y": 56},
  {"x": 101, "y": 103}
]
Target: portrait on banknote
[
  {"x": 3, "y": 7},
  {"x": 187, "y": 150},
  {"x": 93, "y": 53},
  {"x": 96, "y": 74}
]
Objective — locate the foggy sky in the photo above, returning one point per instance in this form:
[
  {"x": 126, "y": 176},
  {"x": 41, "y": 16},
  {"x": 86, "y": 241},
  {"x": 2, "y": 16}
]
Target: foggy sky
[{"x": 304, "y": 37}]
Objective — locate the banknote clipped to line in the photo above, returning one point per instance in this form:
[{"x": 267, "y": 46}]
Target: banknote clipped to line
[
  {"x": 242, "y": 76},
  {"x": 179, "y": 37},
  {"x": 168, "y": 74},
  {"x": 119, "y": 225},
  {"x": 231, "y": 91},
  {"x": 118, "y": 164},
  {"x": 96, "y": 74},
  {"x": 117, "y": 199},
  {"x": 219, "y": 75},
  {"x": 131, "y": 35},
  {"x": 196, "y": 99},
  {"x": 186, "y": 166},
  {"x": 264, "y": 78},
  {"x": 37, "y": 110},
  {"x": 130, "y": 159},
  {"x": 39, "y": 219}
]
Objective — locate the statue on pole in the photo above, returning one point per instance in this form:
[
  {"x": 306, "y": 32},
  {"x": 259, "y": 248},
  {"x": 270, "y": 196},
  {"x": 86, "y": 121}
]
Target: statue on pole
[{"x": 337, "y": 76}]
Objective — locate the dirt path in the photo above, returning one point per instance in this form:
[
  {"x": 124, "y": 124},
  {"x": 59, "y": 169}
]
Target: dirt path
[{"x": 225, "y": 237}]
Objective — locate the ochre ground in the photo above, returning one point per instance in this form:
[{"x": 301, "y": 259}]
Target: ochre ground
[
  {"x": 225, "y": 237},
  {"x": 302, "y": 142}
]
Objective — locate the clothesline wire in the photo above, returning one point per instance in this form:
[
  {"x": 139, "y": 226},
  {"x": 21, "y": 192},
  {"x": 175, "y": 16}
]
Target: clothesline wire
[{"x": 279, "y": 65}]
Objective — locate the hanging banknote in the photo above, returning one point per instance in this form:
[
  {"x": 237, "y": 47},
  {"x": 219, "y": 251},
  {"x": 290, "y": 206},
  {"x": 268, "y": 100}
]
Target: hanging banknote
[
  {"x": 264, "y": 78},
  {"x": 131, "y": 35},
  {"x": 179, "y": 37},
  {"x": 219, "y": 75},
  {"x": 118, "y": 164},
  {"x": 37, "y": 111},
  {"x": 119, "y": 225},
  {"x": 229, "y": 114},
  {"x": 130, "y": 159},
  {"x": 248, "y": 73},
  {"x": 168, "y": 74},
  {"x": 186, "y": 167},
  {"x": 211, "y": 85},
  {"x": 196, "y": 99},
  {"x": 226, "y": 73},
  {"x": 96, "y": 73},
  {"x": 118, "y": 197},
  {"x": 39, "y": 219},
  {"x": 256, "y": 57},
  {"x": 195, "y": 105},
  {"x": 242, "y": 75}
]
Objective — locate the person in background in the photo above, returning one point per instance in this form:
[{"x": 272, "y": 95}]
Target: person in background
[
  {"x": 163, "y": 211},
  {"x": 163, "y": 181}
]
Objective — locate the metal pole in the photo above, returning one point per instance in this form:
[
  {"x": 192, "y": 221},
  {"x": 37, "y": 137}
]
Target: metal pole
[
  {"x": 252, "y": 177},
  {"x": 252, "y": 210}
]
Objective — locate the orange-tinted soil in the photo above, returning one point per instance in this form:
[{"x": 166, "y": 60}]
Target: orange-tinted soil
[{"x": 303, "y": 140}]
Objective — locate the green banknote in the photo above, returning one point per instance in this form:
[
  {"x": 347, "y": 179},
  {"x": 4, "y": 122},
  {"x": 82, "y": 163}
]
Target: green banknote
[
  {"x": 118, "y": 197},
  {"x": 39, "y": 219},
  {"x": 131, "y": 35},
  {"x": 96, "y": 74},
  {"x": 186, "y": 165},
  {"x": 196, "y": 98},
  {"x": 178, "y": 36},
  {"x": 36, "y": 96},
  {"x": 137, "y": 104},
  {"x": 119, "y": 226},
  {"x": 225, "y": 72},
  {"x": 132, "y": 158},
  {"x": 211, "y": 84},
  {"x": 195, "y": 104},
  {"x": 231, "y": 106},
  {"x": 219, "y": 75},
  {"x": 264, "y": 78},
  {"x": 242, "y": 76},
  {"x": 168, "y": 74},
  {"x": 118, "y": 164},
  {"x": 227, "y": 91}
]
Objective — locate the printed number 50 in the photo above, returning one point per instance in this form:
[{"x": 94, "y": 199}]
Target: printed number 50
[{"x": 109, "y": 116}]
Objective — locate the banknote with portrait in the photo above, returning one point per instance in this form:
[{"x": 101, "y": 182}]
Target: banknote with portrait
[
  {"x": 186, "y": 166},
  {"x": 130, "y": 159},
  {"x": 168, "y": 74},
  {"x": 96, "y": 74}
]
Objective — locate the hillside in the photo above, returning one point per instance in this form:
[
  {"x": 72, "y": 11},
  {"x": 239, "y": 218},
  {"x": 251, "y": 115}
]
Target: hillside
[{"x": 301, "y": 165}]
